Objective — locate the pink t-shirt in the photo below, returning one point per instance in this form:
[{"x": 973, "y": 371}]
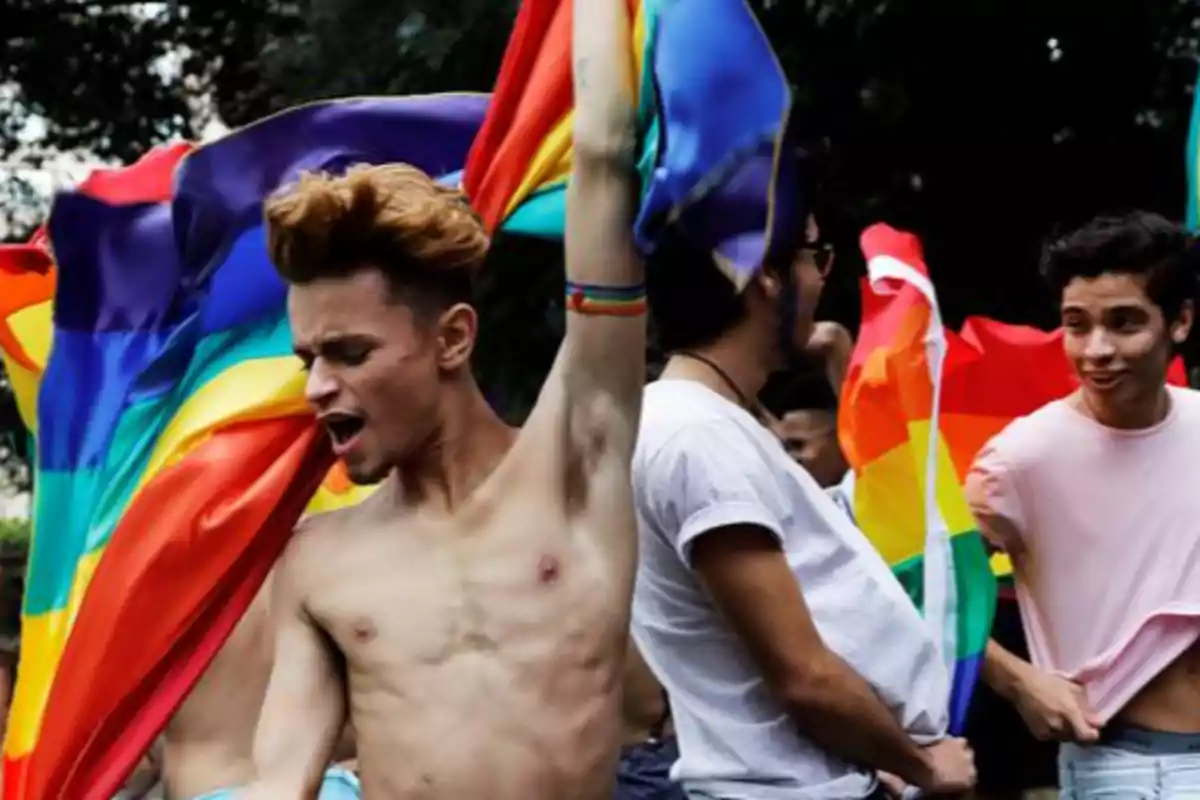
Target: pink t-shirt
[{"x": 1103, "y": 526}]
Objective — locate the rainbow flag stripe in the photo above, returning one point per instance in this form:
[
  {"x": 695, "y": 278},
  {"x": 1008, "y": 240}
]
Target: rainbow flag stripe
[
  {"x": 27, "y": 278},
  {"x": 919, "y": 403}
]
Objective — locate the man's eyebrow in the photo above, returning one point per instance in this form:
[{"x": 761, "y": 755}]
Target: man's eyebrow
[{"x": 339, "y": 339}]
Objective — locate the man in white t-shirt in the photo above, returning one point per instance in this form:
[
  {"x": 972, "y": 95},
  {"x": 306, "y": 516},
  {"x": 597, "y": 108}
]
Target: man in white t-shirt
[{"x": 795, "y": 664}]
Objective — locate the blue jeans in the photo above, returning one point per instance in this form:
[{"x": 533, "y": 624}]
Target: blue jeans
[
  {"x": 1132, "y": 764},
  {"x": 644, "y": 772}
]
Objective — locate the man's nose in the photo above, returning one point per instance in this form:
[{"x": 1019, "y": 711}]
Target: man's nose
[
  {"x": 320, "y": 387},
  {"x": 1099, "y": 345}
]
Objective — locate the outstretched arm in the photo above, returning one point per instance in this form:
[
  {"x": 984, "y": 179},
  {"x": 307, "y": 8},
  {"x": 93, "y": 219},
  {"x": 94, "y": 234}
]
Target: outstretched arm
[
  {"x": 305, "y": 711},
  {"x": 602, "y": 361}
]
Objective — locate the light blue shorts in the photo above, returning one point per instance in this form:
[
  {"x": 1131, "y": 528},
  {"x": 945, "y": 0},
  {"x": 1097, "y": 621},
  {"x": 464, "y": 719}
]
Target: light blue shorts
[
  {"x": 1132, "y": 764},
  {"x": 339, "y": 784}
]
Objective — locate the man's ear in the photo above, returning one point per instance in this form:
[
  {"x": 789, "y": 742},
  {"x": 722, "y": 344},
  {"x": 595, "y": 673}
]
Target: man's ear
[
  {"x": 456, "y": 331},
  {"x": 769, "y": 283},
  {"x": 1181, "y": 327}
]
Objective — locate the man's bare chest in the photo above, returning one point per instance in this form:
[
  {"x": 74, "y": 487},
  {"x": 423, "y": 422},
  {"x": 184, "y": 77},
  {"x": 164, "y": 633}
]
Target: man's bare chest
[{"x": 416, "y": 605}]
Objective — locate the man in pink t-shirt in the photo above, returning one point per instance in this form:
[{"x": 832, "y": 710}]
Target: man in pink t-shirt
[{"x": 1096, "y": 499}]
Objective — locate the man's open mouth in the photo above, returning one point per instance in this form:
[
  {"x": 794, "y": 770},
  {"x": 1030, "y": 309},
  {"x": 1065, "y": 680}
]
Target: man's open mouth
[{"x": 343, "y": 428}]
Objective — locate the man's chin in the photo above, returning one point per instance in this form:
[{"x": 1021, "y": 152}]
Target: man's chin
[{"x": 365, "y": 474}]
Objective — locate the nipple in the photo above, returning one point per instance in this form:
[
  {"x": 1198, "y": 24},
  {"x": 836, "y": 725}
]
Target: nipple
[
  {"x": 363, "y": 631},
  {"x": 549, "y": 569}
]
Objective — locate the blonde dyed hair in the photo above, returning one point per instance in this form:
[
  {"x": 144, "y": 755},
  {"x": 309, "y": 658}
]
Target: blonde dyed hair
[{"x": 424, "y": 237}]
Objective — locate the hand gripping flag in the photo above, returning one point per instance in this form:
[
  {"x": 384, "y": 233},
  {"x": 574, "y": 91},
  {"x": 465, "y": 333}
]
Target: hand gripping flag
[{"x": 919, "y": 403}]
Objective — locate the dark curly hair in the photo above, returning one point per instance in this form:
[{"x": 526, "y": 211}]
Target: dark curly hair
[{"x": 1162, "y": 253}]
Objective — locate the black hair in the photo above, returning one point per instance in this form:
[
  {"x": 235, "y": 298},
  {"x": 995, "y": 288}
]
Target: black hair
[
  {"x": 692, "y": 302},
  {"x": 803, "y": 388},
  {"x": 1139, "y": 243}
]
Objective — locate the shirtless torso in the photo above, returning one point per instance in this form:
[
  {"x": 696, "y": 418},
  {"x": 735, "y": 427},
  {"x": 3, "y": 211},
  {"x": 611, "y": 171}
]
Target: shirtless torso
[
  {"x": 470, "y": 618},
  {"x": 483, "y": 652},
  {"x": 1170, "y": 702}
]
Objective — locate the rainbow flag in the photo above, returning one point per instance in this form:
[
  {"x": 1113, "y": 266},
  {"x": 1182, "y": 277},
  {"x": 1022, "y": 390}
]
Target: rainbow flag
[
  {"x": 174, "y": 448},
  {"x": 919, "y": 403},
  {"x": 893, "y": 422},
  {"x": 27, "y": 279},
  {"x": 720, "y": 173},
  {"x": 1192, "y": 158}
]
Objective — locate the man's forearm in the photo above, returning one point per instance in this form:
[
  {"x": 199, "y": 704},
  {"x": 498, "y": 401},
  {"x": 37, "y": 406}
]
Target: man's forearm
[
  {"x": 605, "y": 118},
  {"x": 1003, "y": 671},
  {"x": 600, "y": 210},
  {"x": 838, "y": 710}
]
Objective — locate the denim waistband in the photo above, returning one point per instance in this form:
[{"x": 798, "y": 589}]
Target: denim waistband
[{"x": 1150, "y": 742}]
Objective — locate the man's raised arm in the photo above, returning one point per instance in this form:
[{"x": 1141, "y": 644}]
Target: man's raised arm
[{"x": 603, "y": 356}]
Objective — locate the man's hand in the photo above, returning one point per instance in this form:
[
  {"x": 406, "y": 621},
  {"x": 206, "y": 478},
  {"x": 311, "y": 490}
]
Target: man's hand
[
  {"x": 1055, "y": 708},
  {"x": 832, "y": 345},
  {"x": 892, "y": 784},
  {"x": 828, "y": 338},
  {"x": 951, "y": 768}
]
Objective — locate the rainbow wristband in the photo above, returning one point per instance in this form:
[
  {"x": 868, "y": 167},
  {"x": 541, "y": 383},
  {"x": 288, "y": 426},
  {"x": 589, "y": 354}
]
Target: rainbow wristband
[{"x": 611, "y": 301}]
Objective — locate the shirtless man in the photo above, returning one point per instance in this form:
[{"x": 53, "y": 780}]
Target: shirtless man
[
  {"x": 206, "y": 750},
  {"x": 470, "y": 618},
  {"x": 1095, "y": 499}
]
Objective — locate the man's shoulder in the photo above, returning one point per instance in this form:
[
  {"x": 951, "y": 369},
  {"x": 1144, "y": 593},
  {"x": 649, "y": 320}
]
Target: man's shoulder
[
  {"x": 316, "y": 532},
  {"x": 1186, "y": 400},
  {"x": 1029, "y": 433},
  {"x": 317, "y": 525},
  {"x": 680, "y": 415}
]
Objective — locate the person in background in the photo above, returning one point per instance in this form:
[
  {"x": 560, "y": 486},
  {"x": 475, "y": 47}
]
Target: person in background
[
  {"x": 795, "y": 664},
  {"x": 1094, "y": 498},
  {"x": 804, "y": 402}
]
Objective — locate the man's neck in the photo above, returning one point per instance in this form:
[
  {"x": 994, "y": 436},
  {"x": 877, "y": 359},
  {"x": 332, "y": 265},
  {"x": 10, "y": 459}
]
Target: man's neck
[
  {"x": 744, "y": 364},
  {"x": 1143, "y": 411},
  {"x": 464, "y": 450}
]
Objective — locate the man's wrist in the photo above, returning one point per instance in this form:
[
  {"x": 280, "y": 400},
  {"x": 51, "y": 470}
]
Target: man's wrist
[
  {"x": 923, "y": 776},
  {"x": 1004, "y": 672}
]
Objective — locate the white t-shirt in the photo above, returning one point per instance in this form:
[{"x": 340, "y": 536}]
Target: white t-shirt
[
  {"x": 702, "y": 463},
  {"x": 842, "y": 493}
]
